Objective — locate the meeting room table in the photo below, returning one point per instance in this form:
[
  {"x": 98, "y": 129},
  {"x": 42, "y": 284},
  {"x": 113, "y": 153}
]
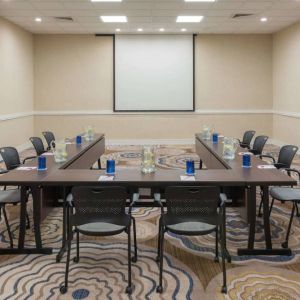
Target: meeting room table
[{"x": 77, "y": 171}]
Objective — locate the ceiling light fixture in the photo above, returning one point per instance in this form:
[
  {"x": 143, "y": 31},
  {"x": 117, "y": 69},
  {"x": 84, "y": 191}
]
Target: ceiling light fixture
[
  {"x": 106, "y": 0},
  {"x": 118, "y": 30},
  {"x": 38, "y": 19},
  {"x": 161, "y": 29},
  {"x": 183, "y": 29},
  {"x": 140, "y": 29},
  {"x": 200, "y": 0},
  {"x": 264, "y": 19},
  {"x": 114, "y": 19},
  {"x": 189, "y": 19}
]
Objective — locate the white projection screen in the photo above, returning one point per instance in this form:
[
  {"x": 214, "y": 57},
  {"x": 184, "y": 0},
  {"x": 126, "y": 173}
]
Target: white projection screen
[{"x": 154, "y": 73}]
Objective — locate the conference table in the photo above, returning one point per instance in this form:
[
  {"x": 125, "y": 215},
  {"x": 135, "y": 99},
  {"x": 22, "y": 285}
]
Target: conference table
[
  {"x": 244, "y": 197},
  {"x": 77, "y": 171}
]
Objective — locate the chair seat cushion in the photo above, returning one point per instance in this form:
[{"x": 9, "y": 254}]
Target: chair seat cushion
[
  {"x": 285, "y": 193},
  {"x": 10, "y": 196},
  {"x": 100, "y": 228},
  {"x": 191, "y": 228}
]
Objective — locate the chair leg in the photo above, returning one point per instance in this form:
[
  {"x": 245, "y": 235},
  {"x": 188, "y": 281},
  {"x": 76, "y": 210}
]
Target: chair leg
[
  {"x": 259, "y": 210},
  {"x": 200, "y": 164},
  {"x": 285, "y": 244},
  {"x": 8, "y": 228},
  {"x": 134, "y": 258},
  {"x": 271, "y": 207},
  {"x": 217, "y": 245},
  {"x": 297, "y": 210},
  {"x": 99, "y": 163},
  {"x": 159, "y": 288},
  {"x": 129, "y": 287},
  {"x": 27, "y": 220},
  {"x": 64, "y": 288},
  {"x": 76, "y": 258},
  {"x": 223, "y": 231}
]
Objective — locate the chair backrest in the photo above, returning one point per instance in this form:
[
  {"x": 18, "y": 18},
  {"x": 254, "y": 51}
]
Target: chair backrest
[
  {"x": 247, "y": 138},
  {"x": 192, "y": 202},
  {"x": 286, "y": 155},
  {"x": 259, "y": 143},
  {"x": 10, "y": 157},
  {"x": 49, "y": 137},
  {"x": 94, "y": 203},
  {"x": 38, "y": 145}
]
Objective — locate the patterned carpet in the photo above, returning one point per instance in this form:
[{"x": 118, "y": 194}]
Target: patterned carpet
[{"x": 190, "y": 272}]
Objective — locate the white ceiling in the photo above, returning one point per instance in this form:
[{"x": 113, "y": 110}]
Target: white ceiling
[{"x": 151, "y": 15}]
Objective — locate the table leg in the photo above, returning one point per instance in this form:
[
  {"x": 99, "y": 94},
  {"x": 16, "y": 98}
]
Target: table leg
[
  {"x": 251, "y": 206},
  {"x": 267, "y": 228},
  {"x": 22, "y": 228},
  {"x": 64, "y": 235}
]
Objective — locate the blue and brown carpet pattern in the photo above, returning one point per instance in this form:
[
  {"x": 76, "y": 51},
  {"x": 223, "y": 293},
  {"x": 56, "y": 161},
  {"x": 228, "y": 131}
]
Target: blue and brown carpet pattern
[{"x": 190, "y": 272}]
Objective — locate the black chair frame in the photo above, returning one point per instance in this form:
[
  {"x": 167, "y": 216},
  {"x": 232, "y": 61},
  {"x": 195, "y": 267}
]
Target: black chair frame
[
  {"x": 169, "y": 218},
  {"x": 75, "y": 220}
]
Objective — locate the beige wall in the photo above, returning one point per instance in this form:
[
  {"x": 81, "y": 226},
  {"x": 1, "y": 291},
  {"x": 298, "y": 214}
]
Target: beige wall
[
  {"x": 234, "y": 71},
  {"x": 286, "y": 84},
  {"x": 75, "y": 73},
  {"x": 16, "y": 83}
]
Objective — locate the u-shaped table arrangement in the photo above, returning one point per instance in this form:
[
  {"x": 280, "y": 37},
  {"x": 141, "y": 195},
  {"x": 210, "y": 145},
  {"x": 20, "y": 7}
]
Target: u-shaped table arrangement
[{"x": 238, "y": 182}]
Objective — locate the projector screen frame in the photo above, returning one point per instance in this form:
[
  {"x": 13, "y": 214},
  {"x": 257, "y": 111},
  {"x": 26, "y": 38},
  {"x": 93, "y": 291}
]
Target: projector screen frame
[{"x": 150, "y": 111}]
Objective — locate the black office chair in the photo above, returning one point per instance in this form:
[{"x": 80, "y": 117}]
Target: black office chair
[
  {"x": 12, "y": 161},
  {"x": 284, "y": 161},
  {"x": 49, "y": 137},
  {"x": 285, "y": 194},
  {"x": 38, "y": 145},
  {"x": 11, "y": 158},
  {"x": 99, "y": 211},
  {"x": 259, "y": 144},
  {"x": 193, "y": 211},
  {"x": 247, "y": 138}
]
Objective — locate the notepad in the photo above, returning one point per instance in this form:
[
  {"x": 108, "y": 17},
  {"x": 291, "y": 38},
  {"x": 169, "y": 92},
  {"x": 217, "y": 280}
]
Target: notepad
[
  {"x": 26, "y": 168},
  {"x": 187, "y": 178},
  {"x": 106, "y": 178},
  {"x": 242, "y": 153},
  {"x": 47, "y": 154},
  {"x": 266, "y": 167}
]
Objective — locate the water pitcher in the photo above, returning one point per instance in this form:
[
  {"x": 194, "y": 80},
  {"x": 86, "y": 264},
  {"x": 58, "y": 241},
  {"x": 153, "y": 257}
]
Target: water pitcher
[
  {"x": 230, "y": 146},
  {"x": 89, "y": 132},
  {"x": 148, "y": 159},
  {"x": 59, "y": 149},
  {"x": 206, "y": 132}
]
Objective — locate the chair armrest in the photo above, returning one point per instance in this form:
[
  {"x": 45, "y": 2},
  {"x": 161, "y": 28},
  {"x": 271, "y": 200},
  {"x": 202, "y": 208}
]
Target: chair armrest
[
  {"x": 223, "y": 199},
  {"x": 289, "y": 170},
  {"x": 267, "y": 156},
  {"x": 30, "y": 157}
]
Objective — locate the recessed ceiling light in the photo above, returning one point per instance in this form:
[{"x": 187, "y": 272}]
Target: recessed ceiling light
[
  {"x": 140, "y": 29},
  {"x": 264, "y": 19},
  {"x": 161, "y": 29},
  {"x": 106, "y": 0},
  {"x": 183, "y": 29},
  {"x": 38, "y": 19},
  {"x": 114, "y": 19},
  {"x": 200, "y": 0},
  {"x": 118, "y": 29},
  {"x": 189, "y": 19}
]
